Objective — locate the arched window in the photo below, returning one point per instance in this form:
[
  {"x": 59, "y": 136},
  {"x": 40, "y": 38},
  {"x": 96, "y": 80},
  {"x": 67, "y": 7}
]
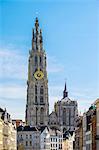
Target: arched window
[
  {"x": 36, "y": 115},
  {"x": 36, "y": 99},
  {"x": 64, "y": 116},
  {"x": 40, "y": 60},
  {"x": 41, "y": 90},
  {"x": 35, "y": 89},
  {"x": 42, "y": 116},
  {"x": 41, "y": 99},
  {"x": 45, "y": 60},
  {"x": 36, "y": 60}
]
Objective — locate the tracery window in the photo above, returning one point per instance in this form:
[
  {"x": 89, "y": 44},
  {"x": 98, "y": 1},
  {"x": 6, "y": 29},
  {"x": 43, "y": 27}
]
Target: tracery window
[
  {"x": 41, "y": 99},
  {"x": 64, "y": 116},
  {"x": 40, "y": 60},
  {"x": 35, "y": 89},
  {"x": 41, "y": 90}
]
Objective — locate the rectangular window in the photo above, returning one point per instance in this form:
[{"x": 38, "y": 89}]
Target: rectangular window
[
  {"x": 30, "y": 143},
  {"x": 26, "y": 143},
  {"x": 26, "y": 136}
]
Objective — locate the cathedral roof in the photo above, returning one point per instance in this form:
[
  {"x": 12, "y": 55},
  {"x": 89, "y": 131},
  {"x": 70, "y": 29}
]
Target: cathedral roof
[
  {"x": 52, "y": 113},
  {"x": 66, "y": 99}
]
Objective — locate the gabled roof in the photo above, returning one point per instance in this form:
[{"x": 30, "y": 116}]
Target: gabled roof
[
  {"x": 67, "y": 134},
  {"x": 1, "y": 110},
  {"x": 42, "y": 128}
]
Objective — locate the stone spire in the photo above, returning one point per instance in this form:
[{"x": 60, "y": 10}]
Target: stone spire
[
  {"x": 36, "y": 24},
  {"x": 37, "y": 42},
  {"x": 65, "y": 93}
]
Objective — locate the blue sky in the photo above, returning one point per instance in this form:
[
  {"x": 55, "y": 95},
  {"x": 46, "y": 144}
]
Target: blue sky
[{"x": 71, "y": 40}]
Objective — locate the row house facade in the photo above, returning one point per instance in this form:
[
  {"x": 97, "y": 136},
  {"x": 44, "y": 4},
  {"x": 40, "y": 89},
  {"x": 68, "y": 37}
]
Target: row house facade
[
  {"x": 7, "y": 132},
  {"x": 39, "y": 138},
  {"x": 87, "y": 129},
  {"x": 79, "y": 133},
  {"x": 68, "y": 140}
]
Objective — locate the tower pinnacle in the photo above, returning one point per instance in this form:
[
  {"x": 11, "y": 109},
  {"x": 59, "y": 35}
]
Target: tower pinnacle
[
  {"x": 36, "y": 24},
  {"x": 65, "y": 93},
  {"x": 37, "y": 42}
]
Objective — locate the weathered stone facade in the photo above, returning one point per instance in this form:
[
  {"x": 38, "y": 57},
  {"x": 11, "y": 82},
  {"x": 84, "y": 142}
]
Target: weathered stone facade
[{"x": 37, "y": 108}]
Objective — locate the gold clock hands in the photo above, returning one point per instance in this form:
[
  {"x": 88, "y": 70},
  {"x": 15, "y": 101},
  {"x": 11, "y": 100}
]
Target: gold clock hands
[{"x": 38, "y": 74}]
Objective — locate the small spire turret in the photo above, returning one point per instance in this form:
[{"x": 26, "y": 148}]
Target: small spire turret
[
  {"x": 65, "y": 93},
  {"x": 36, "y": 24},
  {"x": 41, "y": 39}
]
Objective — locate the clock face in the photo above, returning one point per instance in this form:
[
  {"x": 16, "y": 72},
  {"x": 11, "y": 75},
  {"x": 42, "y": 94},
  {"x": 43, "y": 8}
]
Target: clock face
[{"x": 38, "y": 75}]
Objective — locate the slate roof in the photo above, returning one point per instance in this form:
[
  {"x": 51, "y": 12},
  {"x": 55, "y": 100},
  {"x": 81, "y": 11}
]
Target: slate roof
[
  {"x": 26, "y": 128},
  {"x": 1, "y": 110}
]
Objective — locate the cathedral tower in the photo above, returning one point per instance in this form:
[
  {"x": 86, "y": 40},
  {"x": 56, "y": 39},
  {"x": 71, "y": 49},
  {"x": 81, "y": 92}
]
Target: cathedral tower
[{"x": 37, "y": 107}]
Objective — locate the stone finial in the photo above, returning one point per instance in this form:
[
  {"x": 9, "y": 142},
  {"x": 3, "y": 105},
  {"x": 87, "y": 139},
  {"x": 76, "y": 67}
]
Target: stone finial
[{"x": 36, "y": 23}]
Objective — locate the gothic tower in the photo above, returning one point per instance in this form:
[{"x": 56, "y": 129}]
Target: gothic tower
[{"x": 37, "y": 107}]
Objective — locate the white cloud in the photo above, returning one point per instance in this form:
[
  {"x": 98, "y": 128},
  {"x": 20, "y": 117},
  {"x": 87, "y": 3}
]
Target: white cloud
[
  {"x": 11, "y": 92},
  {"x": 12, "y": 64},
  {"x": 86, "y": 94}
]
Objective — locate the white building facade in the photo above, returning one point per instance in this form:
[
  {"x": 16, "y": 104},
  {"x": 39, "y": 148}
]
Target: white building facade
[
  {"x": 44, "y": 138},
  {"x": 56, "y": 139},
  {"x": 41, "y": 138}
]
